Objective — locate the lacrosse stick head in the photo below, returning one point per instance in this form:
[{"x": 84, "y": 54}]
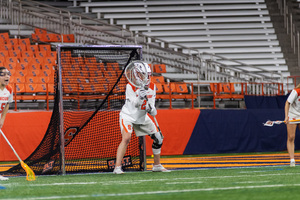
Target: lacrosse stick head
[
  {"x": 269, "y": 123},
  {"x": 30, "y": 176},
  {"x": 138, "y": 73}
]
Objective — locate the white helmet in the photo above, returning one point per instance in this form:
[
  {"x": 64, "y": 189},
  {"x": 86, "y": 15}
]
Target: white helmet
[{"x": 138, "y": 73}]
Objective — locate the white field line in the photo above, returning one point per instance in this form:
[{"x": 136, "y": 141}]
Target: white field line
[
  {"x": 156, "y": 192},
  {"x": 145, "y": 180}
]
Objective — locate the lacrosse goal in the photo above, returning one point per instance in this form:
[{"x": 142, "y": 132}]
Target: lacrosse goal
[{"x": 83, "y": 134}]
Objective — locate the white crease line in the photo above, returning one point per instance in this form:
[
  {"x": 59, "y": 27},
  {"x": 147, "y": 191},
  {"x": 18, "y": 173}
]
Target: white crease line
[
  {"x": 155, "y": 192},
  {"x": 150, "y": 180}
]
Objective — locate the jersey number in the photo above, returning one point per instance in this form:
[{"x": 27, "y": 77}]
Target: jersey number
[{"x": 143, "y": 107}]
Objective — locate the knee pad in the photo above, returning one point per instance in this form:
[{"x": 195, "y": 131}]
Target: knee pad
[{"x": 157, "y": 142}]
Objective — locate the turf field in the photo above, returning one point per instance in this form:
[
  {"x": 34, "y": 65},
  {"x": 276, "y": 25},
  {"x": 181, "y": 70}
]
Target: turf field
[{"x": 266, "y": 182}]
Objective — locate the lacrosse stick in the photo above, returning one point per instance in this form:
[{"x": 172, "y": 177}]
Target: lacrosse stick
[
  {"x": 271, "y": 123},
  {"x": 156, "y": 123},
  {"x": 30, "y": 176}
]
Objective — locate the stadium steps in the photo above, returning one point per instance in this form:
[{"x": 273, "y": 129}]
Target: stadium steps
[
  {"x": 283, "y": 38},
  {"x": 161, "y": 18}
]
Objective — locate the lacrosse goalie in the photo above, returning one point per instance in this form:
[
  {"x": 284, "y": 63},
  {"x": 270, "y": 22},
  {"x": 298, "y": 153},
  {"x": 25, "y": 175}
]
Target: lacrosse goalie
[{"x": 140, "y": 100}]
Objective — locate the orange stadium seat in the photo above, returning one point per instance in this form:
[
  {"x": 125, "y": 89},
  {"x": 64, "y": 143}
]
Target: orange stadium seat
[
  {"x": 22, "y": 66},
  {"x": 48, "y": 66},
  {"x": 66, "y": 54},
  {"x": 181, "y": 88},
  {"x": 2, "y": 60},
  {"x": 159, "y": 68},
  {"x": 4, "y": 37},
  {"x": 34, "y": 72},
  {"x": 38, "y": 61},
  {"x": 33, "y": 48},
  {"x": 90, "y": 60},
  {"x": 51, "y": 54},
  {"x": 34, "y": 66},
  {"x": 47, "y": 72},
  {"x": 13, "y": 41},
  {"x": 11, "y": 66},
  {"x": 31, "y": 79},
  {"x": 45, "y": 79},
  {"x": 19, "y": 79},
  {"x": 77, "y": 60},
  {"x": 112, "y": 67},
  {"x": 27, "y": 60},
  {"x": 14, "y": 53},
  {"x": 45, "y": 47},
  {"x": 158, "y": 79},
  {"x": 40, "y": 31},
  {"x": 28, "y": 54},
  {"x": 159, "y": 88},
  {"x": 120, "y": 88},
  {"x": 52, "y": 37},
  {"x": 228, "y": 87},
  {"x": 167, "y": 87},
  {"x": 31, "y": 88},
  {"x": 4, "y": 53},
  {"x": 70, "y": 88},
  {"x": 110, "y": 74},
  {"x": 11, "y": 60},
  {"x": 20, "y": 88},
  {"x": 24, "y": 41},
  {"x": 6, "y": 47},
  {"x": 69, "y": 38},
  {"x": 21, "y": 73},
  {"x": 20, "y": 47},
  {"x": 40, "y": 54},
  {"x": 50, "y": 60},
  {"x": 38, "y": 37},
  {"x": 95, "y": 73}
]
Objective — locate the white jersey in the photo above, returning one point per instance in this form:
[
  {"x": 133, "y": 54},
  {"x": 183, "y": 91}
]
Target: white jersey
[
  {"x": 133, "y": 113},
  {"x": 294, "y": 100},
  {"x": 6, "y": 96}
]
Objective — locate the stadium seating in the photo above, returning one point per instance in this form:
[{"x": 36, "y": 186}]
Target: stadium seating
[{"x": 239, "y": 30}]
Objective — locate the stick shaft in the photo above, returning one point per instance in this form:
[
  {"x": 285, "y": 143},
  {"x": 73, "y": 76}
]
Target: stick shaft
[
  {"x": 10, "y": 145},
  {"x": 156, "y": 123}
]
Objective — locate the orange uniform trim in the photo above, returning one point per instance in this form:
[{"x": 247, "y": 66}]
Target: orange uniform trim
[{"x": 124, "y": 127}]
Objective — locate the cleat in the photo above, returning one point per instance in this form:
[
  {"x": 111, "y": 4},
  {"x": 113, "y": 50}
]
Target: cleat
[
  {"x": 2, "y": 178},
  {"x": 293, "y": 163},
  {"x": 159, "y": 168},
  {"x": 118, "y": 170}
]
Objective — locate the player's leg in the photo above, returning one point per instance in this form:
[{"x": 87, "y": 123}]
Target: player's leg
[
  {"x": 149, "y": 128},
  {"x": 291, "y": 132},
  {"x": 156, "y": 149},
  {"x": 126, "y": 131}
]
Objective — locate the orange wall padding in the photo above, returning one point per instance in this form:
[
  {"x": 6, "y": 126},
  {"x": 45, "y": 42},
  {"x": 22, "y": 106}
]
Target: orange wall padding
[
  {"x": 177, "y": 126},
  {"x": 25, "y": 130}
]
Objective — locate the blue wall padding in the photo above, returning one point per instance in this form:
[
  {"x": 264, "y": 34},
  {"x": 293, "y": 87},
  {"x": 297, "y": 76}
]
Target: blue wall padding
[
  {"x": 265, "y": 102},
  {"x": 233, "y": 131}
]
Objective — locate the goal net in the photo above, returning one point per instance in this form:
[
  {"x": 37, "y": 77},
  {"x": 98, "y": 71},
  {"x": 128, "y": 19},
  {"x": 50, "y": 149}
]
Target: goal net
[{"x": 83, "y": 134}]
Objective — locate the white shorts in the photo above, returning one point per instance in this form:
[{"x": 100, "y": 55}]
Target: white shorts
[
  {"x": 147, "y": 128},
  {"x": 293, "y": 116}
]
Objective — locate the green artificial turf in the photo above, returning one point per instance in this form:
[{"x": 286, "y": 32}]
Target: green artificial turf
[{"x": 280, "y": 182}]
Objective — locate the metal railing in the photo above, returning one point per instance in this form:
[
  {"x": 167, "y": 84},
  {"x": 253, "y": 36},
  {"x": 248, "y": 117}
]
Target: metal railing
[{"x": 36, "y": 14}]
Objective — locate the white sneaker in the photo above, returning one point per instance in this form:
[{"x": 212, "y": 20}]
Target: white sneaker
[
  {"x": 159, "y": 168},
  {"x": 118, "y": 170},
  {"x": 2, "y": 178},
  {"x": 293, "y": 163}
]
